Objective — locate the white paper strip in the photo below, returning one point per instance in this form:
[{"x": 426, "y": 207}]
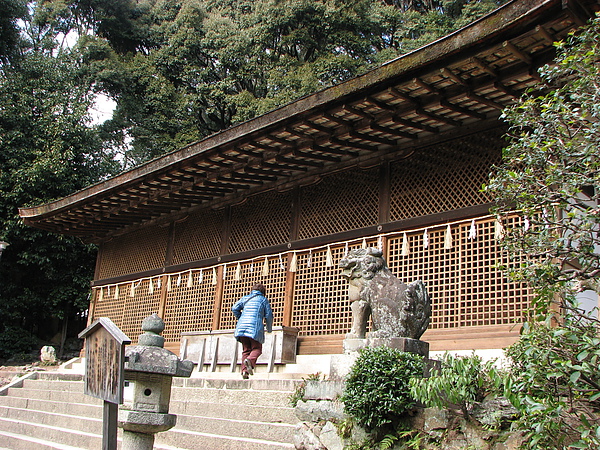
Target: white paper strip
[
  {"x": 329, "y": 257},
  {"x": 405, "y": 246},
  {"x": 448, "y": 238},
  {"x": 498, "y": 230},
  {"x": 472, "y": 230}
]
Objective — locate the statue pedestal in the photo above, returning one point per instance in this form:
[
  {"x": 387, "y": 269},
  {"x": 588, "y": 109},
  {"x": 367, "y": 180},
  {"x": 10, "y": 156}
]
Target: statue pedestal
[
  {"x": 341, "y": 364},
  {"x": 400, "y": 343}
]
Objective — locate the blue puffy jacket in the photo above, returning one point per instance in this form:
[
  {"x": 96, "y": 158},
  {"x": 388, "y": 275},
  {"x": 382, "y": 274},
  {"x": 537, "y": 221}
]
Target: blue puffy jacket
[{"x": 250, "y": 311}]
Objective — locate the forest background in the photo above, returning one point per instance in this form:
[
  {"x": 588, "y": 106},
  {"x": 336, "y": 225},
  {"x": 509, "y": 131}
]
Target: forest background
[{"x": 176, "y": 71}]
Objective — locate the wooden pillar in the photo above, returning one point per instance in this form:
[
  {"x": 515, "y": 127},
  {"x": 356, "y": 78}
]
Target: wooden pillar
[
  {"x": 288, "y": 300},
  {"x": 385, "y": 182},
  {"x": 290, "y": 277},
  {"x": 162, "y": 304},
  {"x": 218, "y": 299}
]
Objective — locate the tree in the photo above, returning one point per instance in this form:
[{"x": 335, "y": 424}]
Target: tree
[
  {"x": 10, "y": 12},
  {"x": 550, "y": 176},
  {"x": 551, "y": 171},
  {"x": 47, "y": 150},
  {"x": 181, "y": 70}
]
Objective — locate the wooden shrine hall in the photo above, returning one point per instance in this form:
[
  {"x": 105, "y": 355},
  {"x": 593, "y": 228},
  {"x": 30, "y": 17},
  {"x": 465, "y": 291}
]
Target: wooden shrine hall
[{"x": 394, "y": 159}]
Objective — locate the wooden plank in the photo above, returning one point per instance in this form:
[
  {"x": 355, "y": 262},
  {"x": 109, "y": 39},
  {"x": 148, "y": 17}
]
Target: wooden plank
[
  {"x": 110, "y": 414},
  {"x": 467, "y": 338}
]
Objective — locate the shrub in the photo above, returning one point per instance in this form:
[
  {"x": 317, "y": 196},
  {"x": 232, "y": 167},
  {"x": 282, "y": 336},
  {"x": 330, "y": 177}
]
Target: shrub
[
  {"x": 462, "y": 381},
  {"x": 554, "y": 382},
  {"x": 15, "y": 341},
  {"x": 377, "y": 390}
]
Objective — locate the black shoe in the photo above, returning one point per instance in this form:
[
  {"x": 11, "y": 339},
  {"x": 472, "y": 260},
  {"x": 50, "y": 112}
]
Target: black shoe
[
  {"x": 249, "y": 367},
  {"x": 245, "y": 375}
]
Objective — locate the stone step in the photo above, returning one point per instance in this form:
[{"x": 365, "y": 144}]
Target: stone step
[
  {"x": 212, "y": 414},
  {"x": 76, "y": 409},
  {"x": 55, "y": 396},
  {"x": 195, "y": 440},
  {"x": 51, "y": 433},
  {"x": 277, "y": 432},
  {"x": 55, "y": 385},
  {"x": 272, "y": 414},
  {"x": 26, "y": 435},
  {"x": 264, "y": 398},
  {"x": 14, "y": 441},
  {"x": 73, "y": 422}
]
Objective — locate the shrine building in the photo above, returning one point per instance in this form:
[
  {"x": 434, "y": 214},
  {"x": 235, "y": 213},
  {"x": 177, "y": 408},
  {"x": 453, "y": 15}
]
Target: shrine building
[{"x": 395, "y": 158}]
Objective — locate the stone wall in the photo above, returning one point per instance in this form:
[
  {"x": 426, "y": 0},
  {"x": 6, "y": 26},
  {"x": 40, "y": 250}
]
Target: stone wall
[{"x": 324, "y": 425}]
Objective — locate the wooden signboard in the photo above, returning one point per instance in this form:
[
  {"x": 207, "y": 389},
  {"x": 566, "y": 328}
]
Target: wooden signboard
[{"x": 104, "y": 372}]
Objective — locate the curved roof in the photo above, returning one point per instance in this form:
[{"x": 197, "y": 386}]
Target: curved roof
[{"x": 425, "y": 96}]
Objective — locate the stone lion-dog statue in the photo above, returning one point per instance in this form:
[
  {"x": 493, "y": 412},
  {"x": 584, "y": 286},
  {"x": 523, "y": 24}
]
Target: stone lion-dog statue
[{"x": 396, "y": 309}]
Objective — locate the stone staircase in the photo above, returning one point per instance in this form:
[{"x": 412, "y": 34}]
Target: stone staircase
[{"x": 48, "y": 410}]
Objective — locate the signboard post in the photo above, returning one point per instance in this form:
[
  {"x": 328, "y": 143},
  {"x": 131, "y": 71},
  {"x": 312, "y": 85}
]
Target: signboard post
[{"x": 104, "y": 372}]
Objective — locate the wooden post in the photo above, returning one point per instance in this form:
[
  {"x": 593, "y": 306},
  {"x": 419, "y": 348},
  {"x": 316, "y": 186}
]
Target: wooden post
[
  {"x": 288, "y": 300},
  {"x": 162, "y": 304},
  {"x": 218, "y": 299},
  {"x": 104, "y": 372}
]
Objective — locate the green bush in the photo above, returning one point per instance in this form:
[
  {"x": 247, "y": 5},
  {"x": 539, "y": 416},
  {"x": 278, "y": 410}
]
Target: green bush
[
  {"x": 15, "y": 341},
  {"x": 377, "y": 390},
  {"x": 462, "y": 381},
  {"x": 554, "y": 382}
]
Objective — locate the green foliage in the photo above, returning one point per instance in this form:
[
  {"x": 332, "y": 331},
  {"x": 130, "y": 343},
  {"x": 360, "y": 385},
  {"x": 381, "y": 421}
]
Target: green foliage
[
  {"x": 554, "y": 382},
  {"x": 300, "y": 390},
  {"x": 183, "y": 69},
  {"x": 550, "y": 175},
  {"x": 462, "y": 381},
  {"x": 48, "y": 149},
  {"x": 15, "y": 341},
  {"x": 550, "y": 172},
  {"x": 377, "y": 389}
]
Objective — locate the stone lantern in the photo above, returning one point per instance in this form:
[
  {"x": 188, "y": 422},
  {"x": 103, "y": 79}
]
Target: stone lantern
[{"x": 151, "y": 368}]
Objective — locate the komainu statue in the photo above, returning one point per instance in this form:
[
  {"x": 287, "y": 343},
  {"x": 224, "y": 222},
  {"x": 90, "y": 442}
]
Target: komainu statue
[{"x": 396, "y": 309}]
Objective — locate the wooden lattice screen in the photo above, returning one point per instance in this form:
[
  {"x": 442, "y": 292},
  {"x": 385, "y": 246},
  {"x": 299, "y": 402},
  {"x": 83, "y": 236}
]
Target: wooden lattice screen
[
  {"x": 251, "y": 273},
  {"x": 249, "y": 221},
  {"x": 198, "y": 237},
  {"x": 444, "y": 178},
  {"x": 466, "y": 288},
  {"x": 340, "y": 202},
  {"x": 189, "y": 305},
  {"x": 134, "y": 252},
  {"x": 126, "y": 311}
]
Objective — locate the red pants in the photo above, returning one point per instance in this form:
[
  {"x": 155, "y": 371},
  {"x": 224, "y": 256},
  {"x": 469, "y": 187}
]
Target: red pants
[{"x": 251, "y": 350}]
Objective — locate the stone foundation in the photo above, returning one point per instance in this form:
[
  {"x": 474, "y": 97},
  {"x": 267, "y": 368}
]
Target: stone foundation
[{"x": 323, "y": 422}]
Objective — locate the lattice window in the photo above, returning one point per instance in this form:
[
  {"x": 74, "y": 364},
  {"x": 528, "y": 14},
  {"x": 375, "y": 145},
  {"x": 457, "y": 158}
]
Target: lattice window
[
  {"x": 198, "y": 237},
  {"x": 340, "y": 202},
  {"x": 443, "y": 178},
  {"x": 251, "y": 273},
  {"x": 128, "y": 312},
  {"x": 262, "y": 221},
  {"x": 189, "y": 308},
  {"x": 488, "y": 297},
  {"x": 134, "y": 252},
  {"x": 139, "y": 307},
  {"x": 108, "y": 306},
  {"x": 465, "y": 286},
  {"x": 321, "y": 304},
  {"x": 437, "y": 267}
]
